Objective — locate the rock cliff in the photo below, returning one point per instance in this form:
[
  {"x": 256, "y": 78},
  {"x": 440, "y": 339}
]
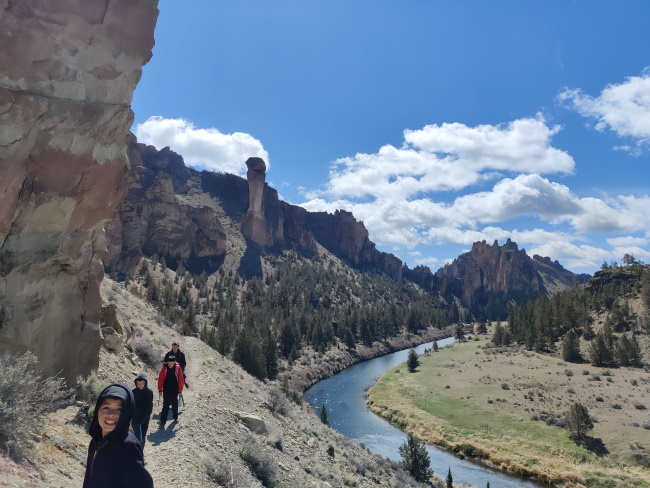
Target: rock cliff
[
  {"x": 206, "y": 218},
  {"x": 180, "y": 213},
  {"x": 488, "y": 278},
  {"x": 67, "y": 74}
]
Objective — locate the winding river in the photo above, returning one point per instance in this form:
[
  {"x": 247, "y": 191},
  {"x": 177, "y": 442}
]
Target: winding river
[{"x": 344, "y": 398}]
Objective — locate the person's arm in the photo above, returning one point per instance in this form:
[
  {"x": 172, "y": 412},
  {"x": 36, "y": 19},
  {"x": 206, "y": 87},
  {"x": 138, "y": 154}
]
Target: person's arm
[
  {"x": 89, "y": 461},
  {"x": 181, "y": 380},
  {"x": 161, "y": 380},
  {"x": 149, "y": 403},
  {"x": 182, "y": 361},
  {"x": 133, "y": 472}
]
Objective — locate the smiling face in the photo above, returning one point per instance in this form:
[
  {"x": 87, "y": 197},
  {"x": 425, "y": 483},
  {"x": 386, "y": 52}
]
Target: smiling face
[{"x": 109, "y": 414}]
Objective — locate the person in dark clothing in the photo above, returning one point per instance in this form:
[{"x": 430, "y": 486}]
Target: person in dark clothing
[
  {"x": 115, "y": 457},
  {"x": 180, "y": 359},
  {"x": 143, "y": 407},
  {"x": 170, "y": 386}
]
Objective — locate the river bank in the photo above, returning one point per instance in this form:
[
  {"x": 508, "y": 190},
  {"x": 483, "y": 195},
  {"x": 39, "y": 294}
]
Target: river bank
[
  {"x": 493, "y": 407},
  {"x": 313, "y": 367}
]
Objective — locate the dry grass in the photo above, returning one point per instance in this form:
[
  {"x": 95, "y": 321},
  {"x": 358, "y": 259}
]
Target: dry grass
[{"x": 457, "y": 400}]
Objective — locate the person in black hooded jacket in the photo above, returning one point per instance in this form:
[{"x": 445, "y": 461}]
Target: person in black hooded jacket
[
  {"x": 143, "y": 407},
  {"x": 115, "y": 457}
]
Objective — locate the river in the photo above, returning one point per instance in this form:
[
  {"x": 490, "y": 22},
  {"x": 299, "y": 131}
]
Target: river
[{"x": 344, "y": 398}]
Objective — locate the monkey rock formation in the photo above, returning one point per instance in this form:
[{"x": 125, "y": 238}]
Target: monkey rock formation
[{"x": 67, "y": 74}]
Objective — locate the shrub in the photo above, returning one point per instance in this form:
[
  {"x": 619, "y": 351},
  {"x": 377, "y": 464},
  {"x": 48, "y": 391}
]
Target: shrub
[
  {"x": 504, "y": 386},
  {"x": 639, "y": 406},
  {"x": 231, "y": 476},
  {"x": 277, "y": 402},
  {"x": 260, "y": 463},
  {"x": 25, "y": 398}
]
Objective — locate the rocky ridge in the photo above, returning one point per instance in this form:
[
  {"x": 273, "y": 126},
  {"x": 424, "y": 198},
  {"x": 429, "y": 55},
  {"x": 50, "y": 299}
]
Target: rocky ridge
[{"x": 179, "y": 213}]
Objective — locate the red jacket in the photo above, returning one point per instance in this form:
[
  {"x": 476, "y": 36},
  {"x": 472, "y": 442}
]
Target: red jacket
[{"x": 179, "y": 377}]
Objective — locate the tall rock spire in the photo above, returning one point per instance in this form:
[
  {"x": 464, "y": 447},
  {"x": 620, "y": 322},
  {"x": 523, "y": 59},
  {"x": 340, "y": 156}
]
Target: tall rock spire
[{"x": 255, "y": 227}]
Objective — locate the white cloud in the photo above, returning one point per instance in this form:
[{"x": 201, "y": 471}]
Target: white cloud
[
  {"x": 623, "y": 108},
  {"x": 627, "y": 241},
  {"x": 448, "y": 157},
  {"x": 202, "y": 148}
]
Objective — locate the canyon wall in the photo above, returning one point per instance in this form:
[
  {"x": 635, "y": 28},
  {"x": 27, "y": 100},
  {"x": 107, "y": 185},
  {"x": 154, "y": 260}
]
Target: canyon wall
[{"x": 67, "y": 74}]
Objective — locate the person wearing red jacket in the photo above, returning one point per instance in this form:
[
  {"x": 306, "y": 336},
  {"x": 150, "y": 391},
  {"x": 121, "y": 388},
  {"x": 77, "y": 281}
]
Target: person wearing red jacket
[{"x": 170, "y": 386}]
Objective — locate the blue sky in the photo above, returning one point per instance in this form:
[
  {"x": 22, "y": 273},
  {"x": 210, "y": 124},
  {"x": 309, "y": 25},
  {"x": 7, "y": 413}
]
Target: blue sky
[{"x": 437, "y": 123}]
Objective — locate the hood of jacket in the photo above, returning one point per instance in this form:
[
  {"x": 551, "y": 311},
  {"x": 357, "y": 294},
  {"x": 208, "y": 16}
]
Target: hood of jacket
[
  {"x": 142, "y": 376},
  {"x": 124, "y": 393}
]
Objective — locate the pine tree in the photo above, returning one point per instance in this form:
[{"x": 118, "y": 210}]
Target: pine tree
[
  {"x": 578, "y": 421},
  {"x": 412, "y": 362},
  {"x": 599, "y": 352},
  {"x": 415, "y": 459},
  {"x": 450, "y": 479},
  {"x": 571, "y": 347},
  {"x": 323, "y": 415}
]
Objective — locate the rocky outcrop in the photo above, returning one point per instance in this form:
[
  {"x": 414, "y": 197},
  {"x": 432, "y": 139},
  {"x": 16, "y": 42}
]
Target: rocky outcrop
[
  {"x": 255, "y": 224},
  {"x": 166, "y": 213},
  {"x": 67, "y": 75},
  {"x": 488, "y": 278},
  {"x": 175, "y": 212}
]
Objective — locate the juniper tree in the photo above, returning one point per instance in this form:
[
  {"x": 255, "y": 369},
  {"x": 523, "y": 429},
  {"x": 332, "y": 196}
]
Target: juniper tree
[
  {"x": 413, "y": 362},
  {"x": 450, "y": 479},
  {"x": 415, "y": 459},
  {"x": 578, "y": 421},
  {"x": 571, "y": 347},
  {"x": 323, "y": 415}
]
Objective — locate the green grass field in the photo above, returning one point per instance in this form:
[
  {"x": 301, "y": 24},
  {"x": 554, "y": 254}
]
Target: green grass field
[{"x": 481, "y": 404}]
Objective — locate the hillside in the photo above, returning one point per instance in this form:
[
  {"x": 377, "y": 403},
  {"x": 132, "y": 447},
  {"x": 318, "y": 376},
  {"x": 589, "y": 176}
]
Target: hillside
[{"x": 207, "y": 441}]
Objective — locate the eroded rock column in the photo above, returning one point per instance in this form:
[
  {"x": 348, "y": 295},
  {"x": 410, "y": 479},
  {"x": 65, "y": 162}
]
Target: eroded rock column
[
  {"x": 67, "y": 73},
  {"x": 255, "y": 227}
]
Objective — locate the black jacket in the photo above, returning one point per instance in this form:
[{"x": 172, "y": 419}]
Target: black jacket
[
  {"x": 116, "y": 461},
  {"x": 180, "y": 358},
  {"x": 143, "y": 400}
]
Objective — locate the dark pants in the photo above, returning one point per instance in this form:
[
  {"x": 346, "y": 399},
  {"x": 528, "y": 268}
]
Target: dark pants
[
  {"x": 140, "y": 431},
  {"x": 169, "y": 398}
]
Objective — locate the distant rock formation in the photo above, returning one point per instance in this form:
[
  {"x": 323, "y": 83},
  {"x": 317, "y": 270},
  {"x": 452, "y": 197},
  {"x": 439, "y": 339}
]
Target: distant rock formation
[
  {"x": 67, "y": 75},
  {"x": 488, "y": 278},
  {"x": 179, "y": 213},
  {"x": 176, "y": 212},
  {"x": 255, "y": 223}
]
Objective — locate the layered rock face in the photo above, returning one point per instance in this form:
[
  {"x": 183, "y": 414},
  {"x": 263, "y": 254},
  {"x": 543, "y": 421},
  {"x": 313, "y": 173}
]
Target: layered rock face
[
  {"x": 67, "y": 74},
  {"x": 488, "y": 278},
  {"x": 176, "y": 212},
  {"x": 166, "y": 213}
]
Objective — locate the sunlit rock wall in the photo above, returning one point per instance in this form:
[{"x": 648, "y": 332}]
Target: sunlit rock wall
[{"x": 68, "y": 69}]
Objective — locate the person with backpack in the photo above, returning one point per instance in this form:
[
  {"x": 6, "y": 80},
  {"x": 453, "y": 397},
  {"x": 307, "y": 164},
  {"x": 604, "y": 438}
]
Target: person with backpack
[
  {"x": 170, "y": 387},
  {"x": 143, "y": 407},
  {"x": 180, "y": 359},
  {"x": 115, "y": 456}
]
